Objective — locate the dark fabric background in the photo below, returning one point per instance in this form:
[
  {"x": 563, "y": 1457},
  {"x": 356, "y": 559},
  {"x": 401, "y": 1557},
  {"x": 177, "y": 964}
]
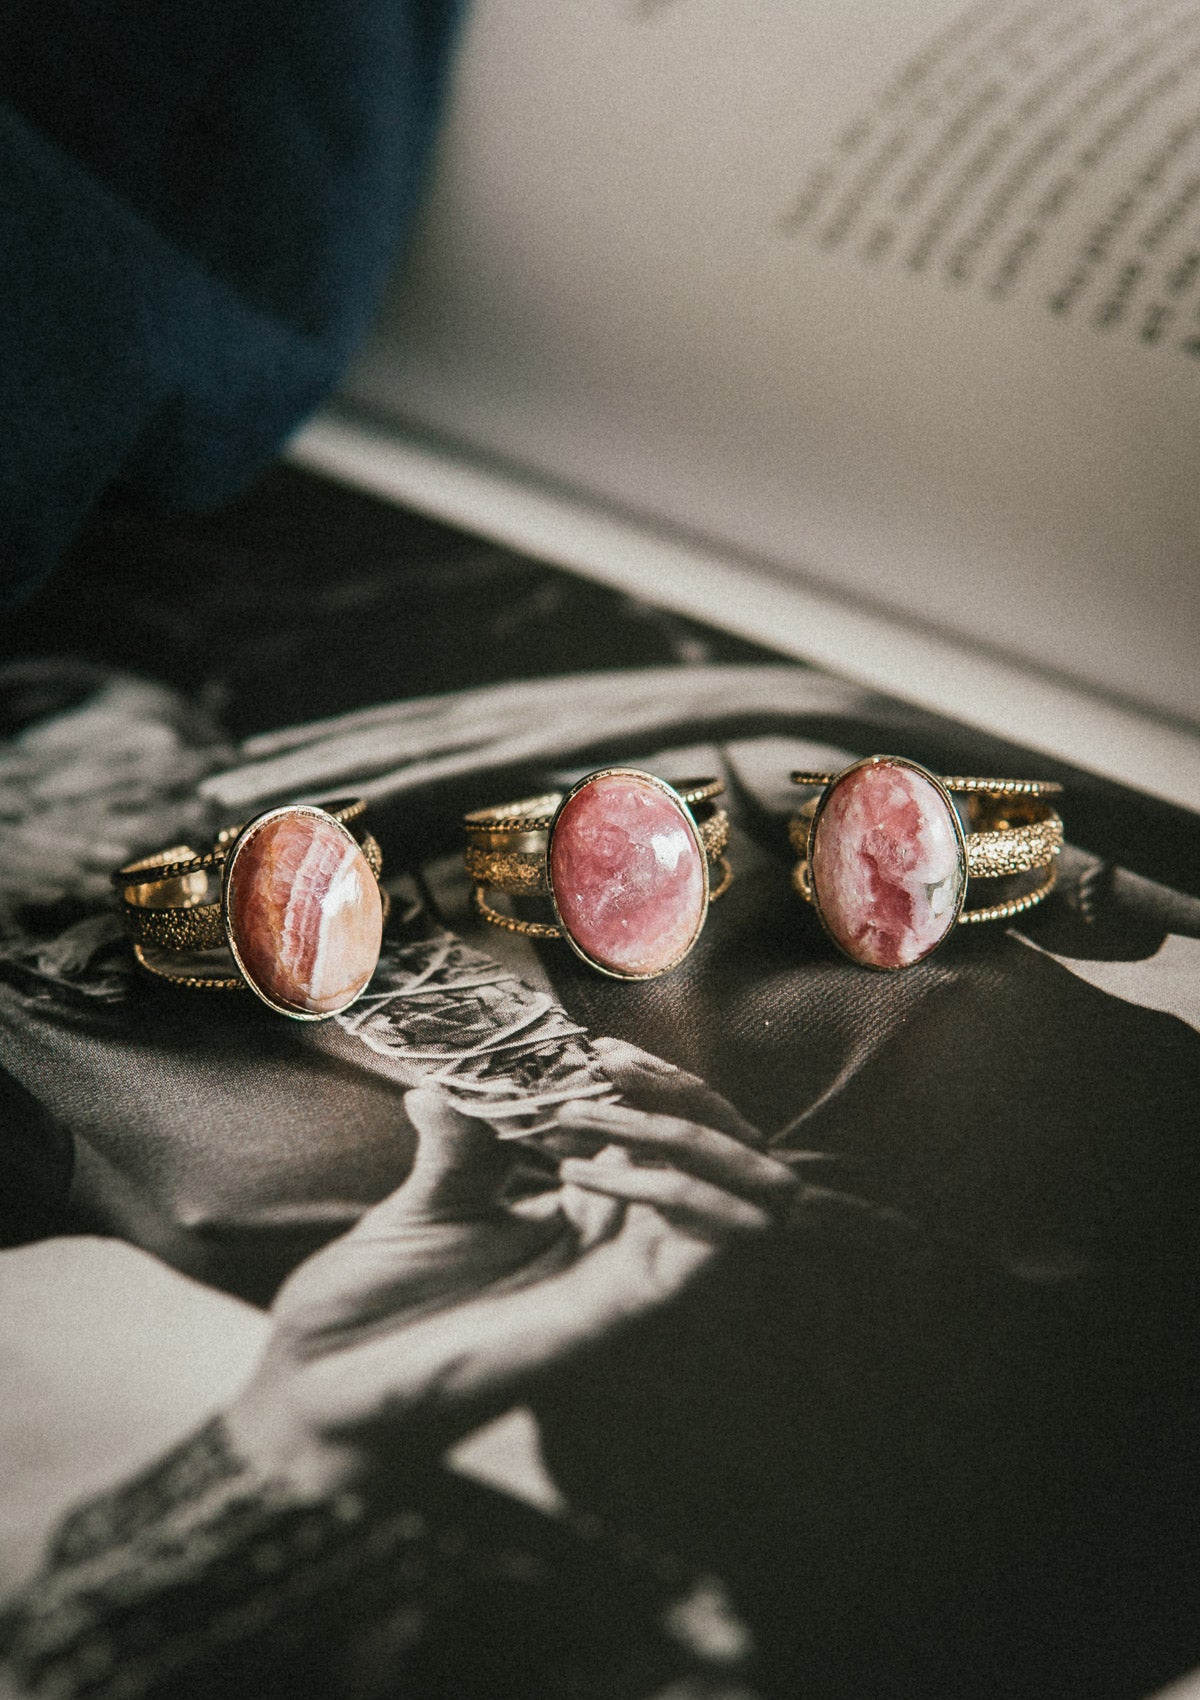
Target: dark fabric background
[
  {"x": 198, "y": 208},
  {"x": 941, "y": 1437}
]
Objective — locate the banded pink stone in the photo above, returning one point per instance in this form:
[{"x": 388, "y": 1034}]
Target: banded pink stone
[
  {"x": 304, "y": 913},
  {"x": 886, "y": 864},
  {"x": 627, "y": 872}
]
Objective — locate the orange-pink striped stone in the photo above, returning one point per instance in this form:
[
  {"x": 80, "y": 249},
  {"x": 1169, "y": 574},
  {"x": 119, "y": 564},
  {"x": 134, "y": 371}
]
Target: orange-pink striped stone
[
  {"x": 628, "y": 875},
  {"x": 305, "y": 913}
]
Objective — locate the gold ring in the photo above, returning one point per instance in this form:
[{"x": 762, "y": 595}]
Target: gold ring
[
  {"x": 625, "y": 859},
  {"x": 885, "y": 855},
  {"x": 300, "y": 909}
]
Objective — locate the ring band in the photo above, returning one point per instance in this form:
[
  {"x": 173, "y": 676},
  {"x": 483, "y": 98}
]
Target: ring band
[
  {"x": 300, "y": 909},
  {"x": 626, "y": 861},
  {"x": 885, "y": 856}
]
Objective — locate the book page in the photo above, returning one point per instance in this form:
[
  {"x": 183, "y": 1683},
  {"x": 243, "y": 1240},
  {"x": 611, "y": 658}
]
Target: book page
[{"x": 904, "y": 299}]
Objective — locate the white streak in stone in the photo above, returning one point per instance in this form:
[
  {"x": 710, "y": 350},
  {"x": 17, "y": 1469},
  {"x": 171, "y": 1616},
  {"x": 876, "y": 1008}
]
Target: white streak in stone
[{"x": 345, "y": 892}]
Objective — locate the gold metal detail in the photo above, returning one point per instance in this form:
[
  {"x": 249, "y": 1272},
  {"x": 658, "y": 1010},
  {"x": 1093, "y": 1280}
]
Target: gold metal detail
[
  {"x": 188, "y": 982},
  {"x": 1006, "y": 787},
  {"x": 1015, "y": 905},
  {"x": 188, "y": 928},
  {"x": 508, "y": 846},
  {"x": 991, "y": 787},
  {"x": 510, "y": 923},
  {"x": 1010, "y": 831},
  {"x": 725, "y": 881},
  {"x": 180, "y": 861},
  {"x": 520, "y": 873},
  {"x": 714, "y": 834},
  {"x": 165, "y": 903},
  {"x": 1014, "y": 849},
  {"x": 369, "y": 845},
  {"x": 536, "y": 814},
  {"x": 166, "y": 914}
]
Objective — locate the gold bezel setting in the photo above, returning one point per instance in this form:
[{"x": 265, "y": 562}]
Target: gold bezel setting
[
  {"x": 669, "y": 791},
  {"x": 243, "y": 838},
  {"x": 1010, "y": 830},
  {"x": 960, "y": 841}
]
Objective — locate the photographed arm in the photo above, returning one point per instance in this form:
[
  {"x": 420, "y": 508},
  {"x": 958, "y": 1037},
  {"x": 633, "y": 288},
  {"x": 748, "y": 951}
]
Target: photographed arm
[{"x": 321, "y": 1484}]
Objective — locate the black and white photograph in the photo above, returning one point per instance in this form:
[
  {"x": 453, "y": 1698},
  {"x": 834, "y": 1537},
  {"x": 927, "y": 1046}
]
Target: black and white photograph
[{"x": 600, "y": 852}]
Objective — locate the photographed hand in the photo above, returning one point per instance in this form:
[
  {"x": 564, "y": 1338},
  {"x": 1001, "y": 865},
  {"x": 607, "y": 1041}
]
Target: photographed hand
[
  {"x": 443, "y": 1305},
  {"x": 651, "y": 1083},
  {"x": 442, "y": 1236}
]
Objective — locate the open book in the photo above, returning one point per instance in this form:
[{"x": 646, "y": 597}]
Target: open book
[{"x": 869, "y": 330}]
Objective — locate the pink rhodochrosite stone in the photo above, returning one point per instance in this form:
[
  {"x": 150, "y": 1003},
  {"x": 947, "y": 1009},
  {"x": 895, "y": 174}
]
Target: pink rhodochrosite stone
[
  {"x": 627, "y": 872},
  {"x": 305, "y": 914},
  {"x": 886, "y": 865}
]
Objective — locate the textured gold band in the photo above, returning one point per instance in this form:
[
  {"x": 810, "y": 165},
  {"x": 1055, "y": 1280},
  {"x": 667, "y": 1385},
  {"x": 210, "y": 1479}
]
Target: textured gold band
[
  {"x": 548, "y": 930},
  {"x": 991, "y": 854},
  {"x": 522, "y": 873},
  {"x": 180, "y": 861},
  {"x": 1014, "y": 905},
  {"x": 519, "y": 873},
  {"x": 510, "y": 923},
  {"x": 194, "y": 982},
  {"x": 988, "y": 787},
  {"x": 166, "y": 909},
  {"x": 188, "y": 982},
  {"x": 1014, "y": 849},
  {"x": 197, "y": 928},
  {"x": 189, "y": 925},
  {"x": 536, "y": 814},
  {"x": 508, "y": 846},
  {"x": 1011, "y": 831}
]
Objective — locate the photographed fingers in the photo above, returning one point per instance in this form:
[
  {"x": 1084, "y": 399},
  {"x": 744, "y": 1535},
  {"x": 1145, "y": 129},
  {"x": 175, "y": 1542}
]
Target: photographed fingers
[
  {"x": 698, "y": 1150},
  {"x": 681, "y": 1197},
  {"x": 594, "y": 1216},
  {"x": 457, "y": 1172},
  {"x": 656, "y": 1257},
  {"x": 383, "y": 1401},
  {"x": 439, "y": 1376},
  {"x": 650, "y": 1083}
]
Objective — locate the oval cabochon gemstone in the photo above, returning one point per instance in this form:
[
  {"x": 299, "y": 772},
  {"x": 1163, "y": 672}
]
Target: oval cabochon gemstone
[
  {"x": 887, "y": 865},
  {"x": 628, "y": 876},
  {"x": 304, "y": 912}
]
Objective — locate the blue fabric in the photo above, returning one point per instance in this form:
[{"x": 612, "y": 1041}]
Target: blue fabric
[{"x": 199, "y": 205}]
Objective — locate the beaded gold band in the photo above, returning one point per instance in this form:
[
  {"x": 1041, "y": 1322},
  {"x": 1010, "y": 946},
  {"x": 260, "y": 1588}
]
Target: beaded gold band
[
  {"x": 300, "y": 910},
  {"x": 155, "y": 916},
  {"x": 885, "y": 854},
  {"x": 993, "y": 852},
  {"x": 523, "y": 873},
  {"x": 180, "y": 860},
  {"x": 626, "y": 861}
]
